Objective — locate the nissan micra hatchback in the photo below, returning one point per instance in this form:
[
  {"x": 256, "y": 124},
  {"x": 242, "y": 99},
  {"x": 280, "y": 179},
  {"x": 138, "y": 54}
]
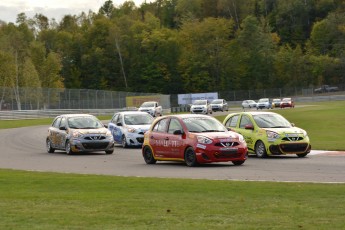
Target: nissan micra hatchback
[
  {"x": 76, "y": 133},
  {"x": 268, "y": 133},
  {"x": 193, "y": 139}
]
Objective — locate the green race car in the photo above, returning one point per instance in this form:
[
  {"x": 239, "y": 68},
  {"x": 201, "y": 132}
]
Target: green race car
[{"x": 268, "y": 133}]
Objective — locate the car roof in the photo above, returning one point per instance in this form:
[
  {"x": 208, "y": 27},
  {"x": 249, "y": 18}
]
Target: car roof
[
  {"x": 76, "y": 115},
  {"x": 254, "y": 113},
  {"x": 132, "y": 112},
  {"x": 182, "y": 116}
]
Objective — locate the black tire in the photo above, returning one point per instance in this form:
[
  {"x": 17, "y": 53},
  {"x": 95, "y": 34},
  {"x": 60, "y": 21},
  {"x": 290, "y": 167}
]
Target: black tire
[
  {"x": 148, "y": 156},
  {"x": 302, "y": 155},
  {"x": 124, "y": 142},
  {"x": 68, "y": 148},
  {"x": 190, "y": 157},
  {"x": 49, "y": 146},
  {"x": 238, "y": 162},
  {"x": 260, "y": 149},
  {"x": 109, "y": 151}
]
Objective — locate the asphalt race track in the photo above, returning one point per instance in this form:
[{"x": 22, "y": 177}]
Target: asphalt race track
[{"x": 24, "y": 149}]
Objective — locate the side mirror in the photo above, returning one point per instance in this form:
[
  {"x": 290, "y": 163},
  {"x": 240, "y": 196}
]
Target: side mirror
[
  {"x": 119, "y": 124},
  {"x": 293, "y": 124},
  {"x": 249, "y": 127},
  {"x": 63, "y": 128},
  {"x": 178, "y": 132},
  {"x": 105, "y": 125}
]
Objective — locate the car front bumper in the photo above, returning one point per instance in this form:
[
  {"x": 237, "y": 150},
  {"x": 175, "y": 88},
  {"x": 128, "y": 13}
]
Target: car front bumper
[
  {"x": 83, "y": 145},
  {"x": 221, "y": 154},
  {"x": 134, "y": 139}
]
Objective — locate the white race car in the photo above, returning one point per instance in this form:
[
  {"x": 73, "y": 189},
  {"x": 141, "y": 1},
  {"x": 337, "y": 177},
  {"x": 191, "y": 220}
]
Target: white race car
[{"x": 128, "y": 127}]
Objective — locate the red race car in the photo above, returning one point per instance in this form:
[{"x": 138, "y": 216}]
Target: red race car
[
  {"x": 287, "y": 102},
  {"x": 194, "y": 139}
]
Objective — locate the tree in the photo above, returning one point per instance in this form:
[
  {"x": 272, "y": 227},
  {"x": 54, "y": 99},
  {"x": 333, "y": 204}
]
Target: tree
[
  {"x": 252, "y": 55},
  {"x": 30, "y": 83},
  {"x": 7, "y": 74},
  {"x": 203, "y": 43}
]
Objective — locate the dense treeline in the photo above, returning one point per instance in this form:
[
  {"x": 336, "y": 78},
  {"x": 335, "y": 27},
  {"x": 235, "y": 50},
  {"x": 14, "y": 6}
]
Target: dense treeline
[{"x": 178, "y": 46}]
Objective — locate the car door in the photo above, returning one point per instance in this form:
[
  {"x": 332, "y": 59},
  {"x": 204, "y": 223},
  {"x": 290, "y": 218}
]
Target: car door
[
  {"x": 246, "y": 129},
  {"x": 175, "y": 148},
  {"x": 54, "y": 131},
  {"x": 62, "y": 133},
  {"x": 115, "y": 126},
  {"x": 158, "y": 138}
]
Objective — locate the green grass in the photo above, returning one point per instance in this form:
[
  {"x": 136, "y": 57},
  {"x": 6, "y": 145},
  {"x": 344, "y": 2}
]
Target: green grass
[
  {"x": 323, "y": 121},
  {"x": 8, "y": 124},
  {"x": 33, "y": 200}
]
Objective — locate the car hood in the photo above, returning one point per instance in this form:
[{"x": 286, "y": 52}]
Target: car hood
[
  {"x": 220, "y": 135},
  {"x": 292, "y": 130},
  {"x": 141, "y": 127},
  {"x": 91, "y": 131},
  {"x": 198, "y": 106}
]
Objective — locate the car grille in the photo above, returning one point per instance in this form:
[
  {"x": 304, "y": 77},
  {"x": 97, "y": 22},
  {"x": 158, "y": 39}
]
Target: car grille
[
  {"x": 226, "y": 144},
  {"x": 227, "y": 154},
  {"x": 294, "y": 147},
  {"x": 292, "y": 138},
  {"x": 95, "y": 145},
  {"x": 95, "y": 137}
]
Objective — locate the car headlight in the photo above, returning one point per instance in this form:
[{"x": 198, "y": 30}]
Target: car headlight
[
  {"x": 108, "y": 134},
  {"x": 204, "y": 140},
  {"x": 76, "y": 134},
  {"x": 305, "y": 134},
  {"x": 240, "y": 138},
  {"x": 272, "y": 135},
  {"x": 131, "y": 130}
]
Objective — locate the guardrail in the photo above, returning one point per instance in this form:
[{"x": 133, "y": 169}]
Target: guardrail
[{"x": 39, "y": 114}]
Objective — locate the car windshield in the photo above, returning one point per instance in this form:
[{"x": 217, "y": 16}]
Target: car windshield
[
  {"x": 286, "y": 100},
  {"x": 271, "y": 121},
  {"x": 203, "y": 124},
  {"x": 276, "y": 100},
  {"x": 138, "y": 119},
  {"x": 84, "y": 123},
  {"x": 148, "y": 104},
  {"x": 199, "y": 102},
  {"x": 216, "y": 102}
]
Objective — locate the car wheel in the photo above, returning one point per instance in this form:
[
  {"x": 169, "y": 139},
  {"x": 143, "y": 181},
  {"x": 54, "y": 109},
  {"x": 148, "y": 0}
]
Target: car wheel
[
  {"x": 49, "y": 146},
  {"x": 148, "y": 156},
  {"x": 124, "y": 142},
  {"x": 109, "y": 151},
  {"x": 190, "y": 157},
  {"x": 68, "y": 148},
  {"x": 302, "y": 155},
  {"x": 238, "y": 162},
  {"x": 260, "y": 149}
]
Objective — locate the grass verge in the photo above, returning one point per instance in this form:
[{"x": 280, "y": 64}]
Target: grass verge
[{"x": 33, "y": 200}]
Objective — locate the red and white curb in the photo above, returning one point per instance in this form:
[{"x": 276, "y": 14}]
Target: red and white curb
[{"x": 327, "y": 152}]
